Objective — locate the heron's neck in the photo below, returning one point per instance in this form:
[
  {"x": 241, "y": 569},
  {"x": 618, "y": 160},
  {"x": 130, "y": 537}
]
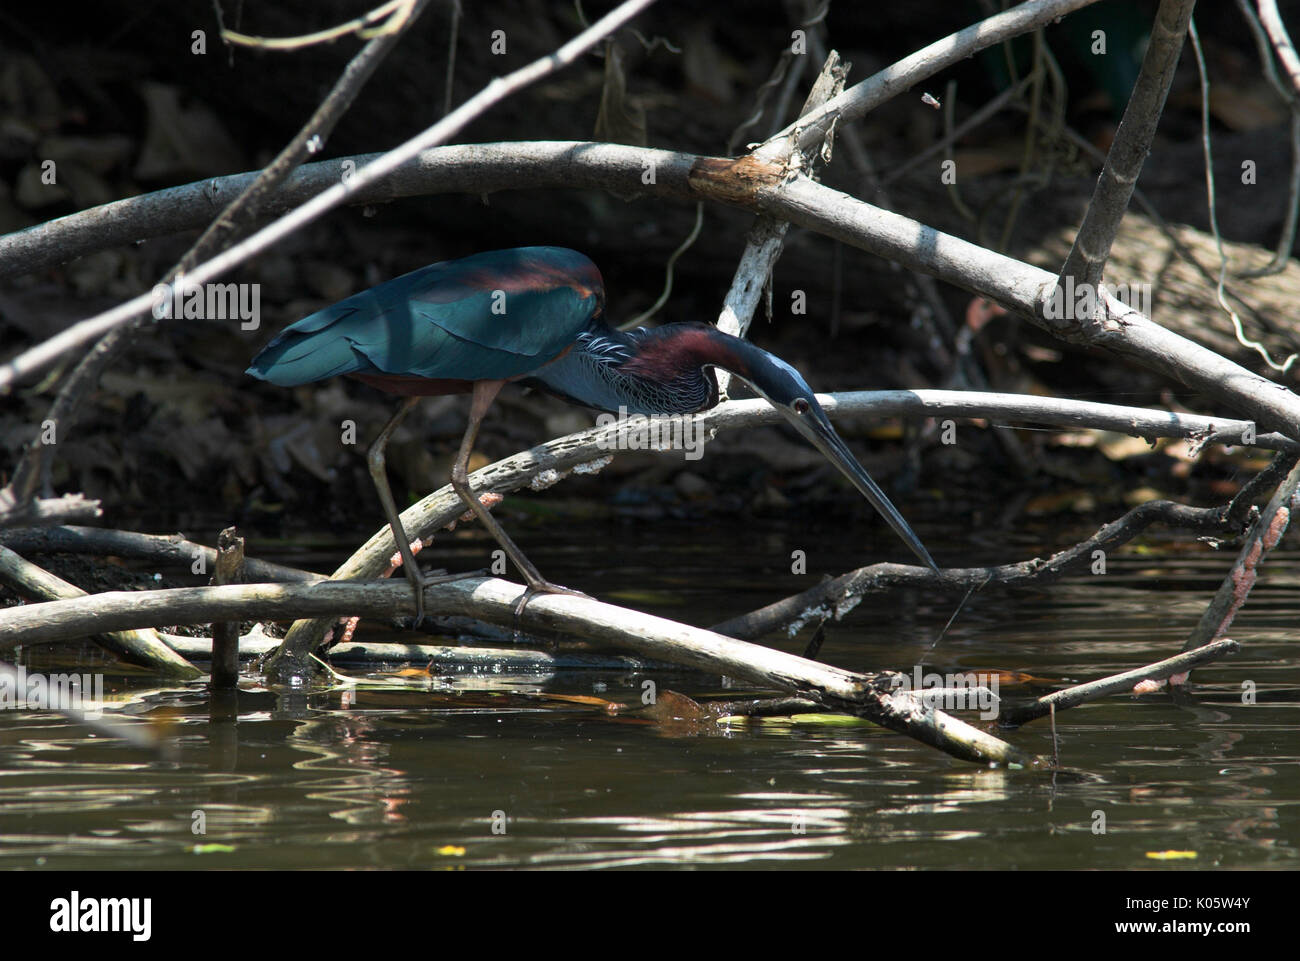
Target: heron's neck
[{"x": 664, "y": 370}]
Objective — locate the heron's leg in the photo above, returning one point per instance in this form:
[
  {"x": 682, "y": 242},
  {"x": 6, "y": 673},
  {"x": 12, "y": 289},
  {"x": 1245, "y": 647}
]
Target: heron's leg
[
  {"x": 379, "y": 474},
  {"x": 485, "y": 391}
]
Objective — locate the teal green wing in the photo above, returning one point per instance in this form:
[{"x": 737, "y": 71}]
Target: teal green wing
[{"x": 495, "y": 315}]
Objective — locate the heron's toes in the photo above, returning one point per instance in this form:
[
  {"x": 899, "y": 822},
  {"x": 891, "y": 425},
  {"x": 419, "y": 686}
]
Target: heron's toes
[{"x": 545, "y": 587}]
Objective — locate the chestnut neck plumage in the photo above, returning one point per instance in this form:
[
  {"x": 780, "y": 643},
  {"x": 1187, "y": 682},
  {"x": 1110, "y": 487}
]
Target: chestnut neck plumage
[{"x": 662, "y": 370}]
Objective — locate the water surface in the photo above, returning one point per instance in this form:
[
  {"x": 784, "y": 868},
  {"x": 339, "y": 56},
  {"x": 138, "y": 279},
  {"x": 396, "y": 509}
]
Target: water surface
[{"x": 420, "y": 777}]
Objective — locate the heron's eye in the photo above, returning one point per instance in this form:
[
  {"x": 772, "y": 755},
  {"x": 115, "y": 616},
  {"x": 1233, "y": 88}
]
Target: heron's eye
[{"x": 801, "y": 406}]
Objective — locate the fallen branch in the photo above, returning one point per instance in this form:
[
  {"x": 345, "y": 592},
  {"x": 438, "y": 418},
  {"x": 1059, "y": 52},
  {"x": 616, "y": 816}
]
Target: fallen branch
[
  {"x": 869, "y": 696},
  {"x": 1116, "y": 683},
  {"x": 1264, "y": 536},
  {"x": 162, "y": 548},
  {"x": 225, "y": 634},
  {"x": 837, "y": 596},
  {"x": 547, "y": 463},
  {"x": 438, "y": 659},
  {"x": 139, "y": 647},
  {"x": 47, "y": 510},
  {"x": 755, "y": 186}
]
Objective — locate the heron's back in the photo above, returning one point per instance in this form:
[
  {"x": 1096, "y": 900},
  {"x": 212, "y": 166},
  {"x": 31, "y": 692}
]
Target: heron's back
[{"x": 495, "y": 315}]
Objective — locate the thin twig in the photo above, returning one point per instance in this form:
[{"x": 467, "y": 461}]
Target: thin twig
[
  {"x": 862, "y": 98},
  {"x": 684, "y": 246},
  {"x": 385, "y": 20},
  {"x": 1114, "y": 684},
  {"x": 1275, "y": 38},
  {"x": 1264, "y": 537},
  {"x": 452, "y": 35},
  {"x": 1237, "y": 326},
  {"x": 838, "y": 596}
]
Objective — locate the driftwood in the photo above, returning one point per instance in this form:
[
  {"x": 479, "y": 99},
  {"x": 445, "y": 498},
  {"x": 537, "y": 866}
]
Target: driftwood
[
  {"x": 1264, "y": 536},
  {"x": 225, "y": 634},
  {"x": 141, "y": 647},
  {"x": 1127, "y": 681},
  {"x": 869, "y": 696}
]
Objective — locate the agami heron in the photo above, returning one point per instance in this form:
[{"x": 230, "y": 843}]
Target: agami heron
[{"x": 533, "y": 315}]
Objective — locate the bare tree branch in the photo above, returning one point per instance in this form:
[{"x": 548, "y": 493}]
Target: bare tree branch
[
  {"x": 751, "y": 185},
  {"x": 862, "y": 98},
  {"x": 837, "y": 596},
  {"x": 547, "y": 463},
  {"x": 1087, "y": 260},
  {"x": 1264, "y": 536},
  {"x": 139, "y": 647},
  {"x": 767, "y": 235},
  {"x": 869, "y": 696},
  {"x": 47, "y": 510},
  {"x": 1073, "y": 696},
  {"x": 152, "y": 547}
]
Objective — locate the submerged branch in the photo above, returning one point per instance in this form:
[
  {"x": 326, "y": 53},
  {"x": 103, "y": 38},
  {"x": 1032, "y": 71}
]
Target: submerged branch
[
  {"x": 837, "y": 596},
  {"x": 1264, "y": 536},
  {"x": 1091, "y": 691},
  {"x": 868, "y": 696}
]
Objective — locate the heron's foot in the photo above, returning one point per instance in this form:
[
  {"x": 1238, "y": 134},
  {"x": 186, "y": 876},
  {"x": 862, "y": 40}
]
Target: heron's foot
[
  {"x": 544, "y": 587},
  {"x": 431, "y": 578}
]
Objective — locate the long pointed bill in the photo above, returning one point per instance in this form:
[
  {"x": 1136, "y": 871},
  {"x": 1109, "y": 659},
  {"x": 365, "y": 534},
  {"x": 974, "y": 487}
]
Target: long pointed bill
[{"x": 821, "y": 435}]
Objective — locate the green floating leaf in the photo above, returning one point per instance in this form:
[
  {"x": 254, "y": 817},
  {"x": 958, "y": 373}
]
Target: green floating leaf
[{"x": 826, "y": 720}]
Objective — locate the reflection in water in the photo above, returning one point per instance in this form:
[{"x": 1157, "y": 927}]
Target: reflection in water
[{"x": 495, "y": 771}]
